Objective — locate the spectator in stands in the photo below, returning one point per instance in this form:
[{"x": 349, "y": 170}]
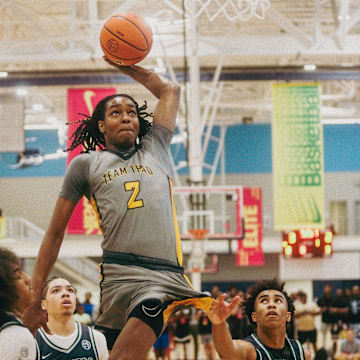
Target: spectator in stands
[
  {"x": 305, "y": 312},
  {"x": 232, "y": 293},
  {"x": 89, "y": 307},
  {"x": 339, "y": 310},
  {"x": 16, "y": 341},
  {"x": 194, "y": 324},
  {"x": 239, "y": 324},
  {"x": 355, "y": 307},
  {"x": 81, "y": 316},
  {"x": 350, "y": 348},
  {"x": 347, "y": 293},
  {"x": 182, "y": 334},
  {"x": 348, "y": 297},
  {"x": 324, "y": 303},
  {"x": 161, "y": 346},
  {"x": 215, "y": 291},
  {"x": 205, "y": 331}
]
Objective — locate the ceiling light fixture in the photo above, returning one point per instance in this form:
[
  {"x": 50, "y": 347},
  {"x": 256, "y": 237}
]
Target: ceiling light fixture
[{"x": 310, "y": 67}]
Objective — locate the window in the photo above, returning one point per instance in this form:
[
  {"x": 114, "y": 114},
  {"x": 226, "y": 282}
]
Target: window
[{"x": 338, "y": 216}]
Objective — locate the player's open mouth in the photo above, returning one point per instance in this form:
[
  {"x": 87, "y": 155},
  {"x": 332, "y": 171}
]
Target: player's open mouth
[{"x": 271, "y": 313}]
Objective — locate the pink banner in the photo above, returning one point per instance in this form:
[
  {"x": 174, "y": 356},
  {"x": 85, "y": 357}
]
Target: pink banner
[
  {"x": 84, "y": 219},
  {"x": 249, "y": 251}
]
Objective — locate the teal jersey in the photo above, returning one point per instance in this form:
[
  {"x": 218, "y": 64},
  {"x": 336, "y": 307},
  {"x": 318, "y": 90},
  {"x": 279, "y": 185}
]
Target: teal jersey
[
  {"x": 131, "y": 196},
  {"x": 84, "y": 346}
]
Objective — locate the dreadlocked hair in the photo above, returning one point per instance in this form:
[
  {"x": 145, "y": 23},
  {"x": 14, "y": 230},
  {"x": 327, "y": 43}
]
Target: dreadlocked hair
[{"x": 88, "y": 134}]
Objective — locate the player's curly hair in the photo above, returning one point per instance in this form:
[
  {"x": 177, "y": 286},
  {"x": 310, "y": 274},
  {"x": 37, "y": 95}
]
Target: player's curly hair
[
  {"x": 254, "y": 291},
  {"x": 8, "y": 292},
  {"x": 88, "y": 134}
]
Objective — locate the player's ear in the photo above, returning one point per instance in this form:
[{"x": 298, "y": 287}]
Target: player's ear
[
  {"x": 43, "y": 305},
  {"x": 288, "y": 317},
  {"x": 101, "y": 126},
  {"x": 253, "y": 317}
]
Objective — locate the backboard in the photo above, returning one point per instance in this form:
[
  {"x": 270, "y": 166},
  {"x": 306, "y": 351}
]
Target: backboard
[{"x": 217, "y": 209}]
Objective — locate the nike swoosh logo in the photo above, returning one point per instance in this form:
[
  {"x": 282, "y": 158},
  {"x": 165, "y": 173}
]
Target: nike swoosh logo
[
  {"x": 316, "y": 211},
  {"x": 151, "y": 312},
  {"x": 45, "y": 356}
]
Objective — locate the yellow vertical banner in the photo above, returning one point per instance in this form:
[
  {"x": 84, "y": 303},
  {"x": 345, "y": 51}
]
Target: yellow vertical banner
[{"x": 298, "y": 161}]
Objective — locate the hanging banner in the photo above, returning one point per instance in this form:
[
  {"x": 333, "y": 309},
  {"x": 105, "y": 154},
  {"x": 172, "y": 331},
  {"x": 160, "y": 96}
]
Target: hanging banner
[
  {"x": 298, "y": 164},
  {"x": 84, "y": 219},
  {"x": 250, "y": 251}
]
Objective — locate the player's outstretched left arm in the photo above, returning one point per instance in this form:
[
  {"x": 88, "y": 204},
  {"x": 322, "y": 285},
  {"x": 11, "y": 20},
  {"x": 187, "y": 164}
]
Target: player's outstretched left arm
[
  {"x": 165, "y": 90},
  {"x": 48, "y": 253},
  {"x": 225, "y": 346}
]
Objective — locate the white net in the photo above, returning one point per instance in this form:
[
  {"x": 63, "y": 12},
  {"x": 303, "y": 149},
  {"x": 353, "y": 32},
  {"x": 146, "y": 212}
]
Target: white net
[{"x": 232, "y": 10}]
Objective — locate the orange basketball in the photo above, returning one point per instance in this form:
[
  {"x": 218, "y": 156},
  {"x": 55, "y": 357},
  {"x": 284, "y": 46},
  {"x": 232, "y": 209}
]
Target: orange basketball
[{"x": 126, "y": 38}]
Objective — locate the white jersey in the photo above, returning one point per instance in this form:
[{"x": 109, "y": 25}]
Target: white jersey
[
  {"x": 17, "y": 343},
  {"x": 57, "y": 346}
]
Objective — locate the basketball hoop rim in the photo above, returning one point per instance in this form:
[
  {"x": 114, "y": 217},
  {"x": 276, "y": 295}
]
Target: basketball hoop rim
[{"x": 199, "y": 234}]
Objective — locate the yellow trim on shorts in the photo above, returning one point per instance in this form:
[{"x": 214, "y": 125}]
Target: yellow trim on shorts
[
  {"x": 176, "y": 227},
  {"x": 101, "y": 271},
  {"x": 203, "y": 303},
  {"x": 188, "y": 280}
]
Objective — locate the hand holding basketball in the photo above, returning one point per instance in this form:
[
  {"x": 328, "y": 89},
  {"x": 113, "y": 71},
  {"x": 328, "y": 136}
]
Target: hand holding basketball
[{"x": 126, "y": 38}]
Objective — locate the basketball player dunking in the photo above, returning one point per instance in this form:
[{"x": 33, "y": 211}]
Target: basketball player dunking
[
  {"x": 269, "y": 308},
  {"x": 129, "y": 184}
]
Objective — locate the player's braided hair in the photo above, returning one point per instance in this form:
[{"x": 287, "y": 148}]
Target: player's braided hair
[
  {"x": 253, "y": 292},
  {"x": 88, "y": 134}
]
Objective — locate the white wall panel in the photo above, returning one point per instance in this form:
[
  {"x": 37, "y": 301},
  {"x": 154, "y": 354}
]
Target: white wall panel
[
  {"x": 12, "y": 135},
  {"x": 342, "y": 265}
]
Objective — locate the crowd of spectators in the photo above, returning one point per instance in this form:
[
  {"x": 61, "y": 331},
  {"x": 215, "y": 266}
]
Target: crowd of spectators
[
  {"x": 86, "y": 312},
  {"x": 338, "y": 330}
]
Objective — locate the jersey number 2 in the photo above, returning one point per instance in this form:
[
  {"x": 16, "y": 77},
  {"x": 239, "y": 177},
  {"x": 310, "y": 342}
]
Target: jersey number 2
[{"x": 133, "y": 186}]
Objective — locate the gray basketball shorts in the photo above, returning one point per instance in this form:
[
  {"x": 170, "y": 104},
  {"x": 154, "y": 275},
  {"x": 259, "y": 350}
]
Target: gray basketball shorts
[{"x": 124, "y": 287}]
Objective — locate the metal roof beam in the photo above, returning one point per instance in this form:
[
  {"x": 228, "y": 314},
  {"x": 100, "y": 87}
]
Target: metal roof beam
[{"x": 278, "y": 18}]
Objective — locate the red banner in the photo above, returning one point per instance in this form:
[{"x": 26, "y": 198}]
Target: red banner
[
  {"x": 83, "y": 220},
  {"x": 249, "y": 251}
]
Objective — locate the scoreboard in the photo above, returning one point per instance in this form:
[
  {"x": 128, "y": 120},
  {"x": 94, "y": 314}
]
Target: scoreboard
[{"x": 307, "y": 243}]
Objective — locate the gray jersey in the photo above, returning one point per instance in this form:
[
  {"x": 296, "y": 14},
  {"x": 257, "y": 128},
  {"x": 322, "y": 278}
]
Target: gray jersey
[{"x": 132, "y": 197}]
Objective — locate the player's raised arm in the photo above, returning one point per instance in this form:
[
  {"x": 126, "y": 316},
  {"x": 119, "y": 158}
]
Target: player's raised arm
[
  {"x": 225, "y": 346},
  {"x": 162, "y": 88},
  {"x": 45, "y": 261}
]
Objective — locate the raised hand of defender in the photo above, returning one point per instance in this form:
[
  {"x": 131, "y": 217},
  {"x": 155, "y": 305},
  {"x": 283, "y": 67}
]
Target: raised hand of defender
[
  {"x": 34, "y": 318},
  {"x": 221, "y": 310}
]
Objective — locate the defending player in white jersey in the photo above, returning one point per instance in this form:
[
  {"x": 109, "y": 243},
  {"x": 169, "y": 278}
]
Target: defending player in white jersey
[{"x": 16, "y": 341}]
